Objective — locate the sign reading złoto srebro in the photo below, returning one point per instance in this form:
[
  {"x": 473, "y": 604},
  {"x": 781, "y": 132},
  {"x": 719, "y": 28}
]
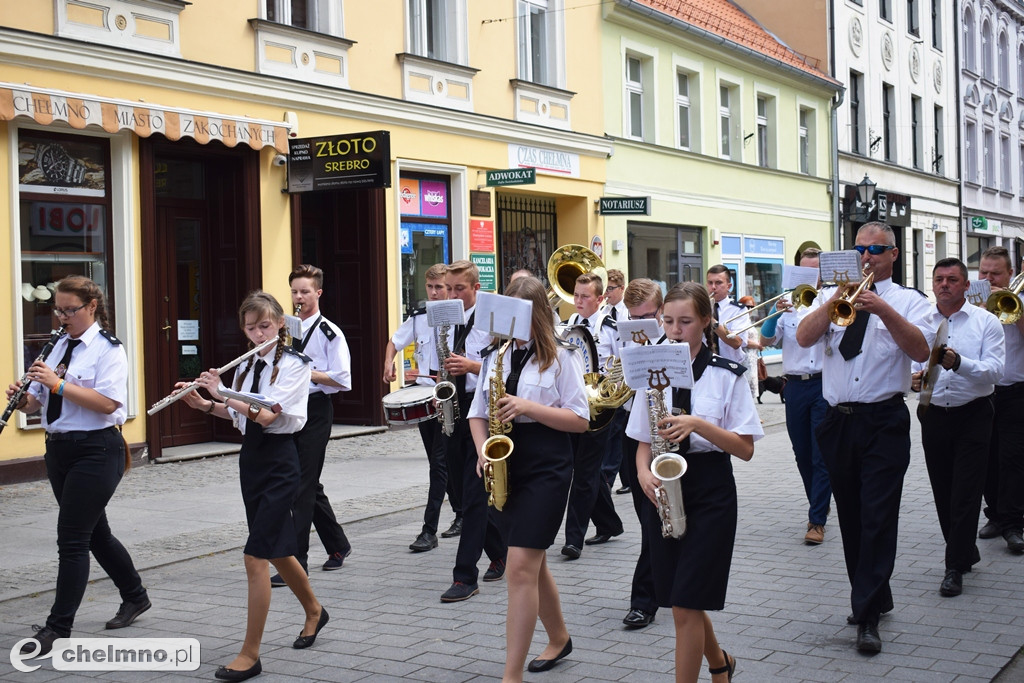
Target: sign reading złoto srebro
[
  {"x": 340, "y": 162},
  {"x": 512, "y": 176}
]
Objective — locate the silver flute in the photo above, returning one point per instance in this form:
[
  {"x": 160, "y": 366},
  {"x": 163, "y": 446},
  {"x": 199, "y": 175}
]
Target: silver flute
[{"x": 445, "y": 394}]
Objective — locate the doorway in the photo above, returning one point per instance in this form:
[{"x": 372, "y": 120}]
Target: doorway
[{"x": 201, "y": 256}]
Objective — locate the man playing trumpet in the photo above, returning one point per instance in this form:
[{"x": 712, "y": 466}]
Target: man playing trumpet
[{"x": 865, "y": 436}]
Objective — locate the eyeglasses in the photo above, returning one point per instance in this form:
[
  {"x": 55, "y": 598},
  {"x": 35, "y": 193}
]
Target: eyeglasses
[
  {"x": 67, "y": 312},
  {"x": 874, "y": 249},
  {"x": 645, "y": 316},
  {"x": 612, "y": 287}
]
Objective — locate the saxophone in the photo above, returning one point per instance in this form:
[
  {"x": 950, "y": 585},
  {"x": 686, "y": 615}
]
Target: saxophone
[
  {"x": 498, "y": 446},
  {"x": 668, "y": 467},
  {"x": 445, "y": 394}
]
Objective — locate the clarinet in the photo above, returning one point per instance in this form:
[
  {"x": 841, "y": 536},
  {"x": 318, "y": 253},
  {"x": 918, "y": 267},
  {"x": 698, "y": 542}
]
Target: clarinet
[{"x": 18, "y": 395}]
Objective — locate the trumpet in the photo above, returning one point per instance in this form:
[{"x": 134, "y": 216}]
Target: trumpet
[
  {"x": 1006, "y": 304},
  {"x": 16, "y": 397},
  {"x": 802, "y": 296},
  {"x": 498, "y": 447},
  {"x": 841, "y": 311},
  {"x": 298, "y": 308},
  {"x": 181, "y": 393}
]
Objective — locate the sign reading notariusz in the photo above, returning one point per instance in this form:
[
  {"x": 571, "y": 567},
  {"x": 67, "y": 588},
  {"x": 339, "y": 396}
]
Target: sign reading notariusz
[
  {"x": 625, "y": 206},
  {"x": 340, "y": 162},
  {"x": 511, "y": 176}
]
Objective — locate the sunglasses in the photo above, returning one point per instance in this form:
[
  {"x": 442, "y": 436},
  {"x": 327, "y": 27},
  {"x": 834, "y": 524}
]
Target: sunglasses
[{"x": 873, "y": 249}]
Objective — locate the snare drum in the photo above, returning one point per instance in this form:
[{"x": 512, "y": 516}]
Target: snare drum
[{"x": 409, "y": 406}]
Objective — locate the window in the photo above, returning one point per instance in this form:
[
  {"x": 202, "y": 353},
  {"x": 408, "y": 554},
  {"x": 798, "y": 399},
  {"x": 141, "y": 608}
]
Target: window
[
  {"x": 1005, "y": 179},
  {"x": 1004, "y": 60},
  {"x": 808, "y": 139},
  {"x": 1020, "y": 71},
  {"x": 1020, "y": 176},
  {"x": 540, "y": 58},
  {"x": 635, "y": 96},
  {"x": 889, "y": 122},
  {"x": 727, "y": 121},
  {"x": 322, "y": 16},
  {"x": 971, "y": 151},
  {"x": 885, "y": 10},
  {"x": 986, "y": 50},
  {"x": 687, "y": 104},
  {"x": 916, "y": 134},
  {"x": 970, "y": 59},
  {"x": 857, "y": 145},
  {"x": 939, "y": 147},
  {"x": 989, "y": 153},
  {"x": 936, "y": 25},
  {"x": 433, "y": 31},
  {"x": 913, "y": 20},
  {"x": 766, "y": 131}
]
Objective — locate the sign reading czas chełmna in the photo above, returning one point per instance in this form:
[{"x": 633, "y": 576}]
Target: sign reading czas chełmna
[
  {"x": 512, "y": 176},
  {"x": 340, "y": 162},
  {"x": 625, "y": 206}
]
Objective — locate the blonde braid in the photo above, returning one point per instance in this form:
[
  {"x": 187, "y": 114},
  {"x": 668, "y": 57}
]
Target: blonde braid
[
  {"x": 281, "y": 336},
  {"x": 241, "y": 378}
]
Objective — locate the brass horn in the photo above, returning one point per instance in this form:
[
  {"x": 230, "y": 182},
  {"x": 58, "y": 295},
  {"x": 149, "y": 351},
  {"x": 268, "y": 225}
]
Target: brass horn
[
  {"x": 566, "y": 264},
  {"x": 841, "y": 311},
  {"x": 801, "y": 296},
  {"x": 1006, "y": 303}
]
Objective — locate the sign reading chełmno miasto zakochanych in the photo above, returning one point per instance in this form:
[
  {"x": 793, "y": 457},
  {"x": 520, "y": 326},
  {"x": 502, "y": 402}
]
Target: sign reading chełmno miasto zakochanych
[
  {"x": 512, "y": 176},
  {"x": 340, "y": 162}
]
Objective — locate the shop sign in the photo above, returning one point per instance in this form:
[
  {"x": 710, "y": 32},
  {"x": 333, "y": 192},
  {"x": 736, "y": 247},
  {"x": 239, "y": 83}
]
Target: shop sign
[
  {"x": 511, "y": 176},
  {"x": 549, "y": 161},
  {"x": 485, "y": 263},
  {"x": 625, "y": 206},
  {"x": 759, "y": 246},
  {"x": 479, "y": 203},
  {"x": 986, "y": 226},
  {"x": 340, "y": 162},
  {"x": 481, "y": 236},
  {"x": 893, "y": 209}
]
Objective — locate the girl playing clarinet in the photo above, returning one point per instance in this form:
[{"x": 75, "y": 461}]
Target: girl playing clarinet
[
  {"x": 718, "y": 418},
  {"x": 545, "y": 401},
  {"x": 268, "y": 466}
]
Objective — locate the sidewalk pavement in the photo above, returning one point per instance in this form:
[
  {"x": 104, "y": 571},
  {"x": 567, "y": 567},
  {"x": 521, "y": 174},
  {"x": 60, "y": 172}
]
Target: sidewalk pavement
[{"x": 785, "y": 615}]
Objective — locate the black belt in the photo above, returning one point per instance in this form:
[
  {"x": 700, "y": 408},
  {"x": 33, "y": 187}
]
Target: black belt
[
  {"x": 956, "y": 409},
  {"x": 804, "y": 378},
  {"x": 318, "y": 395},
  {"x": 1010, "y": 389},
  {"x": 76, "y": 436},
  {"x": 853, "y": 408}
]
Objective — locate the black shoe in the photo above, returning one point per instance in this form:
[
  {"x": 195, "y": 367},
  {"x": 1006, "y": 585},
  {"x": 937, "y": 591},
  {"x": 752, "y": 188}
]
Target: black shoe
[
  {"x": 598, "y": 539},
  {"x": 276, "y": 581},
  {"x": 302, "y": 642},
  {"x": 622, "y": 489},
  {"x": 495, "y": 571},
  {"x": 424, "y": 542},
  {"x": 572, "y": 552},
  {"x": 990, "y": 530},
  {"x": 637, "y": 618},
  {"x": 867, "y": 638},
  {"x": 1014, "y": 540},
  {"x": 335, "y": 561},
  {"x": 454, "y": 530},
  {"x": 729, "y": 668},
  {"x": 952, "y": 584},
  {"x": 460, "y": 591},
  {"x": 44, "y": 635},
  {"x": 539, "y": 665},
  {"x": 128, "y": 612},
  {"x": 226, "y": 674}
]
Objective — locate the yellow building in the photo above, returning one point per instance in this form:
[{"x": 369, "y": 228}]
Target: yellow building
[
  {"x": 152, "y": 144},
  {"x": 726, "y": 131}
]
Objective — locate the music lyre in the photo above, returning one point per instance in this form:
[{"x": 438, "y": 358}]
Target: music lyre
[{"x": 640, "y": 337}]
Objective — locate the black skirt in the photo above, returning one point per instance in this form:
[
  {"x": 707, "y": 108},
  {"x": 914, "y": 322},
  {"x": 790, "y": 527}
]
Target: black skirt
[
  {"x": 540, "y": 472},
  {"x": 693, "y": 571},
  {"x": 268, "y": 469}
]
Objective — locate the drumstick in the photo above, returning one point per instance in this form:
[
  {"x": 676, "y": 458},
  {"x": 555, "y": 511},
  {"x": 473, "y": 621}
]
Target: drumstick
[{"x": 409, "y": 374}]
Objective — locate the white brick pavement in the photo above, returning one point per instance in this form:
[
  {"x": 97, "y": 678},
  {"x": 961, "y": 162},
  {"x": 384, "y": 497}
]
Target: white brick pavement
[{"x": 784, "y": 620}]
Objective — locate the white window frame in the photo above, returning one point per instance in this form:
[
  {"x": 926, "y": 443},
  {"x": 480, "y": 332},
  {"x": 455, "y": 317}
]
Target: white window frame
[
  {"x": 939, "y": 151},
  {"x": 988, "y": 153},
  {"x": 1003, "y": 59},
  {"x": 936, "y": 24},
  {"x": 683, "y": 104},
  {"x": 858, "y": 116},
  {"x": 970, "y": 42},
  {"x": 1020, "y": 173},
  {"x": 695, "y": 79},
  {"x": 554, "y": 43},
  {"x": 767, "y": 125},
  {"x": 971, "y": 151},
  {"x": 914, "y": 18},
  {"x": 917, "y": 132},
  {"x": 730, "y": 115},
  {"x": 634, "y": 91},
  {"x": 987, "y": 65},
  {"x": 807, "y": 127},
  {"x": 326, "y": 15},
  {"x": 1005, "y": 164},
  {"x": 890, "y": 146},
  {"x": 452, "y": 33}
]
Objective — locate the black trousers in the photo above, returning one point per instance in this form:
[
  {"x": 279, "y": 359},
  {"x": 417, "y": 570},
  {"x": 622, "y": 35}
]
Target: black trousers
[
  {"x": 956, "y": 447},
  {"x": 867, "y": 454},
  {"x": 312, "y": 507},
  {"x": 641, "y": 594},
  {"x": 430, "y": 433},
  {"x": 84, "y": 473},
  {"x": 1004, "y": 485},
  {"x": 481, "y": 531},
  {"x": 588, "y": 453}
]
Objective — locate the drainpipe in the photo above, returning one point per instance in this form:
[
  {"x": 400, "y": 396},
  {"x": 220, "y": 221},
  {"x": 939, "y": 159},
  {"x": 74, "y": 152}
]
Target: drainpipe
[
  {"x": 962, "y": 223},
  {"x": 837, "y": 101}
]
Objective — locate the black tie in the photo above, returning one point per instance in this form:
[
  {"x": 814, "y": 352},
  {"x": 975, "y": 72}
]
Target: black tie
[
  {"x": 260, "y": 364},
  {"x": 714, "y": 339},
  {"x": 56, "y": 401},
  {"x": 519, "y": 358},
  {"x": 585, "y": 323},
  {"x": 853, "y": 338}
]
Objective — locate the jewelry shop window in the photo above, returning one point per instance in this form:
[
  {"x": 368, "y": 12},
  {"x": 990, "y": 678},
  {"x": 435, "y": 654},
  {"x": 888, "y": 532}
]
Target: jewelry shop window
[{"x": 64, "y": 199}]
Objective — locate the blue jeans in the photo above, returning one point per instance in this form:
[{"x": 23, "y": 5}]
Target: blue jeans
[{"x": 805, "y": 409}]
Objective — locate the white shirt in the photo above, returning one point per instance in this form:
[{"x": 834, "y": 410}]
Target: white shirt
[
  {"x": 973, "y": 333},
  {"x": 621, "y": 312},
  {"x": 1014, "y": 370},
  {"x": 605, "y": 336},
  {"x": 95, "y": 364},
  {"x": 727, "y": 308},
  {"x": 720, "y": 396},
  {"x": 478, "y": 339},
  {"x": 330, "y": 356},
  {"x": 415, "y": 329},
  {"x": 882, "y": 369},
  {"x": 290, "y": 390},
  {"x": 560, "y": 386},
  {"x": 796, "y": 360}
]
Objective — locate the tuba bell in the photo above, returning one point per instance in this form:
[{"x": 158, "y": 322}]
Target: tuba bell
[
  {"x": 1006, "y": 304},
  {"x": 566, "y": 264}
]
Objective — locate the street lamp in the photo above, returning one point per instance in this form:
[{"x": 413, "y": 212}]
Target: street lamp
[{"x": 866, "y": 191}]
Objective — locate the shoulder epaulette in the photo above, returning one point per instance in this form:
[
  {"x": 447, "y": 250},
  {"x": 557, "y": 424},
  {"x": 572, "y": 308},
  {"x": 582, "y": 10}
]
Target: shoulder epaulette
[
  {"x": 609, "y": 321},
  {"x": 328, "y": 331},
  {"x": 489, "y": 349},
  {"x": 566, "y": 344},
  {"x": 109, "y": 336},
  {"x": 419, "y": 311},
  {"x": 913, "y": 289},
  {"x": 732, "y": 366},
  {"x": 295, "y": 352}
]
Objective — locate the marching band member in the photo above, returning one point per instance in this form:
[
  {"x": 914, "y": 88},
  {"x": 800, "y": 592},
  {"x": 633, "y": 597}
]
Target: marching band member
[
  {"x": 83, "y": 402},
  {"x": 269, "y": 472},
  {"x": 545, "y": 400},
  {"x": 719, "y": 279},
  {"x": 719, "y": 420}
]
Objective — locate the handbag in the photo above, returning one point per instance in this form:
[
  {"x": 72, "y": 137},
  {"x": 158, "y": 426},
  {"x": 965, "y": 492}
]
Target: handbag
[{"x": 762, "y": 370}]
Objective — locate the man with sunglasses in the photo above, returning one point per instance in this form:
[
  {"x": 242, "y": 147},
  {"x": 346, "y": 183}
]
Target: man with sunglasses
[{"x": 865, "y": 436}]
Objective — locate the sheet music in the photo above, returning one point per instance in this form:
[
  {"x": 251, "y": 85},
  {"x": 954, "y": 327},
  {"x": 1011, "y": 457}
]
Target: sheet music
[{"x": 644, "y": 365}]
